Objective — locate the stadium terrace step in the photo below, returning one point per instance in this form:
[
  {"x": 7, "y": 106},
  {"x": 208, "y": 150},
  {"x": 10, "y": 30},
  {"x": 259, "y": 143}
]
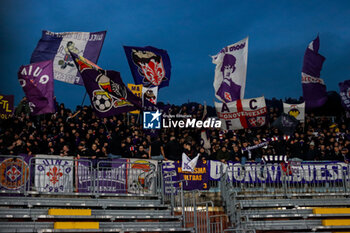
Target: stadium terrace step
[
  {"x": 336, "y": 222},
  {"x": 284, "y": 224},
  {"x": 79, "y": 202},
  {"x": 76, "y": 225},
  {"x": 287, "y": 213},
  {"x": 103, "y": 227},
  {"x": 36, "y": 213},
  {"x": 331, "y": 210},
  {"x": 294, "y": 202},
  {"x": 70, "y": 212}
]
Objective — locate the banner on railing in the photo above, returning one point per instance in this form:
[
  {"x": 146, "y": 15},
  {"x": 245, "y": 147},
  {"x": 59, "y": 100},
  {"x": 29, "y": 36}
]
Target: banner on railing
[
  {"x": 142, "y": 176},
  {"x": 14, "y": 172},
  {"x": 110, "y": 177},
  {"x": 169, "y": 177},
  {"x": 275, "y": 173},
  {"x": 53, "y": 174},
  {"x": 172, "y": 172}
]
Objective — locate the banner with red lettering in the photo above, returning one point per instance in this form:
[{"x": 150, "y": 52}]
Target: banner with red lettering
[{"x": 242, "y": 114}]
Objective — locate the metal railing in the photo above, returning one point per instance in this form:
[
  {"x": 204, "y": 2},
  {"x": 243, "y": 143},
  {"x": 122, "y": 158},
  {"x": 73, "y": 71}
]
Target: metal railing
[
  {"x": 279, "y": 180},
  {"x": 195, "y": 214},
  {"x": 286, "y": 179},
  {"x": 24, "y": 175}
]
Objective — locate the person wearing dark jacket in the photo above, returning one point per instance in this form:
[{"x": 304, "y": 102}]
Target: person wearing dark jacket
[
  {"x": 173, "y": 149},
  {"x": 141, "y": 153},
  {"x": 236, "y": 154},
  {"x": 223, "y": 155}
]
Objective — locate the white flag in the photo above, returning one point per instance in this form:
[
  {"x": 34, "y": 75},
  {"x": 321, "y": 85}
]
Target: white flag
[
  {"x": 295, "y": 110},
  {"x": 230, "y": 71},
  {"x": 189, "y": 165},
  {"x": 242, "y": 114}
]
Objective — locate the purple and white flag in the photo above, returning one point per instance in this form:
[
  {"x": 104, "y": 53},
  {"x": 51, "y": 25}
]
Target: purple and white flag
[
  {"x": 53, "y": 175},
  {"x": 314, "y": 89},
  {"x": 230, "y": 71},
  {"x": 37, "y": 82},
  {"x": 56, "y": 46},
  {"x": 345, "y": 94},
  {"x": 108, "y": 94}
]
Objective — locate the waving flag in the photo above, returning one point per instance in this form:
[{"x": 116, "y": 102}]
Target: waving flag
[
  {"x": 136, "y": 90},
  {"x": 242, "y": 114},
  {"x": 56, "y": 47},
  {"x": 37, "y": 82},
  {"x": 149, "y": 95},
  {"x": 295, "y": 110},
  {"x": 286, "y": 123},
  {"x": 230, "y": 71},
  {"x": 108, "y": 94},
  {"x": 189, "y": 165},
  {"x": 345, "y": 94},
  {"x": 314, "y": 89},
  {"x": 149, "y": 66}
]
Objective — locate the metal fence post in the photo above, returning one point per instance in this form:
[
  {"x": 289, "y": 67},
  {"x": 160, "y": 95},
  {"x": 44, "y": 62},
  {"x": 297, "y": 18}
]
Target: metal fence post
[{"x": 194, "y": 212}]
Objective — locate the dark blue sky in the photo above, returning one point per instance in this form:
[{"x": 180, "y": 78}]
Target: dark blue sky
[{"x": 279, "y": 32}]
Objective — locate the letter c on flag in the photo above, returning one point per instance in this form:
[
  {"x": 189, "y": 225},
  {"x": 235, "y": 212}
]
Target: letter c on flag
[
  {"x": 251, "y": 104},
  {"x": 22, "y": 82}
]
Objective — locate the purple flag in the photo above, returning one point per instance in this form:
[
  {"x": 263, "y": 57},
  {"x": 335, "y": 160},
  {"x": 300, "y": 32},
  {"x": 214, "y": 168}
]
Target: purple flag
[
  {"x": 149, "y": 66},
  {"x": 37, "y": 82},
  {"x": 6, "y": 106},
  {"x": 56, "y": 46},
  {"x": 108, "y": 94},
  {"x": 314, "y": 89},
  {"x": 111, "y": 177},
  {"x": 199, "y": 179},
  {"x": 345, "y": 94}
]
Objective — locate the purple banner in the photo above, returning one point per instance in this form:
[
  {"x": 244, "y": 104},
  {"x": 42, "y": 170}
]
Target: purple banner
[
  {"x": 301, "y": 172},
  {"x": 169, "y": 176},
  {"x": 56, "y": 47},
  {"x": 199, "y": 179},
  {"x": 110, "y": 177},
  {"x": 149, "y": 66},
  {"x": 108, "y": 94},
  {"x": 37, "y": 82},
  {"x": 314, "y": 89},
  {"x": 345, "y": 94},
  {"x": 6, "y": 106},
  {"x": 14, "y": 172}
]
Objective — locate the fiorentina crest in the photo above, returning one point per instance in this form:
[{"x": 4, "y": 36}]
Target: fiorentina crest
[{"x": 150, "y": 66}]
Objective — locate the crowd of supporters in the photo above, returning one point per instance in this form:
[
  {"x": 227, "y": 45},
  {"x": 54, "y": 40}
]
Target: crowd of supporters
[{"x": 82, "y": 134}]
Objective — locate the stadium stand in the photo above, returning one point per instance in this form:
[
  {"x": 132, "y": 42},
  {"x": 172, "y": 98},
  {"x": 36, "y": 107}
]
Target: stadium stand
[
  {"x": 289, "y": 206},
  {"x": 285, "y": 205}
]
